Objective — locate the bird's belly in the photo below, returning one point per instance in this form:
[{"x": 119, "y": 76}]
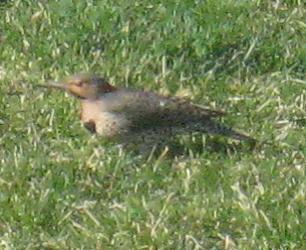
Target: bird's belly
[{"x": 106, "y": 123}]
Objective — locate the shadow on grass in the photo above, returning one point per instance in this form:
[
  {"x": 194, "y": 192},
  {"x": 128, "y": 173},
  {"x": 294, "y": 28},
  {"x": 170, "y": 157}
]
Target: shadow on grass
[{"x": 195, "y": 146}]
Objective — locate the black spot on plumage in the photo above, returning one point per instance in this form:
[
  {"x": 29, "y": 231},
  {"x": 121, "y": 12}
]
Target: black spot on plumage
[{"x": 91, "y": 126}]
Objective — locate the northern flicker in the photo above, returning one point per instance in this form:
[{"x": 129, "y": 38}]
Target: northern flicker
[{"x": 124, "y": 113}]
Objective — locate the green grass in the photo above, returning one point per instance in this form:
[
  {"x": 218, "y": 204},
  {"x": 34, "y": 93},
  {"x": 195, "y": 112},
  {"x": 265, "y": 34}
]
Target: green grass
[{"x": 62, "y": 188}]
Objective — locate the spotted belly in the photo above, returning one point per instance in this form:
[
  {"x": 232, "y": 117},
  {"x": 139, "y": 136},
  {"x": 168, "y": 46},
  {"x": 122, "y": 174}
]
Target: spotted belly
[{"x": 105, "y": 123}]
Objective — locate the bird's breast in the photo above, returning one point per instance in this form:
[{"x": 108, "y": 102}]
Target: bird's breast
[{"x": 106, "y": 123}]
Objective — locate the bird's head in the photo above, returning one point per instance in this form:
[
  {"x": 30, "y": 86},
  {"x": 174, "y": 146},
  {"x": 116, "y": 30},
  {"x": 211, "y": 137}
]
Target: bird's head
[{"x": 84, "y": 86}]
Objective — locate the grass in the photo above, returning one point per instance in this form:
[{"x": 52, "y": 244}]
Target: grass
[{"x": 62, "y": 188}]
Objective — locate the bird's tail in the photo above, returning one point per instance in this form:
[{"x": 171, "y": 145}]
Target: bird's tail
[
  {"x": 229, "y": 132},
  {"x": 212, "y": 127}
]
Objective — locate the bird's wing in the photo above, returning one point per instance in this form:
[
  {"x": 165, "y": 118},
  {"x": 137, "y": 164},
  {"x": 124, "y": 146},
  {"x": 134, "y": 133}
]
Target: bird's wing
[
  {"x": 147, "y": 109},
  {"x": 198, "y": 108}
]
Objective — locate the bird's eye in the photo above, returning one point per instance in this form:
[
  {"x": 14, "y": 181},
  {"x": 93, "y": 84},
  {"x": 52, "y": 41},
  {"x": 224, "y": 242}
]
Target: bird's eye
[{"x": 79, "y": 84}]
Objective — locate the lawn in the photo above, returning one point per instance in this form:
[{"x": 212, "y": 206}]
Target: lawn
[{"x": 64, "y": 188}]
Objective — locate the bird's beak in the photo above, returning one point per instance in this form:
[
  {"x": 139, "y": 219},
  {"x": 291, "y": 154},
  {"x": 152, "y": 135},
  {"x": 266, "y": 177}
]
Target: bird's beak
[{"x": 53, "y": 84}]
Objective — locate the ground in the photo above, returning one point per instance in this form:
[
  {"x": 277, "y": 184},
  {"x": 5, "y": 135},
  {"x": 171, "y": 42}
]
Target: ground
[{"x": 63, "y": 188}]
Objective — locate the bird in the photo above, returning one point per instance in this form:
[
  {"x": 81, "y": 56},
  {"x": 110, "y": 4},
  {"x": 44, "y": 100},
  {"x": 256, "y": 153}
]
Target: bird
[{"x": 129, "y": 114}]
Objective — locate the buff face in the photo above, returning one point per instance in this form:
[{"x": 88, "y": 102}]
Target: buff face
[{"x": 84, "y": 86}]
